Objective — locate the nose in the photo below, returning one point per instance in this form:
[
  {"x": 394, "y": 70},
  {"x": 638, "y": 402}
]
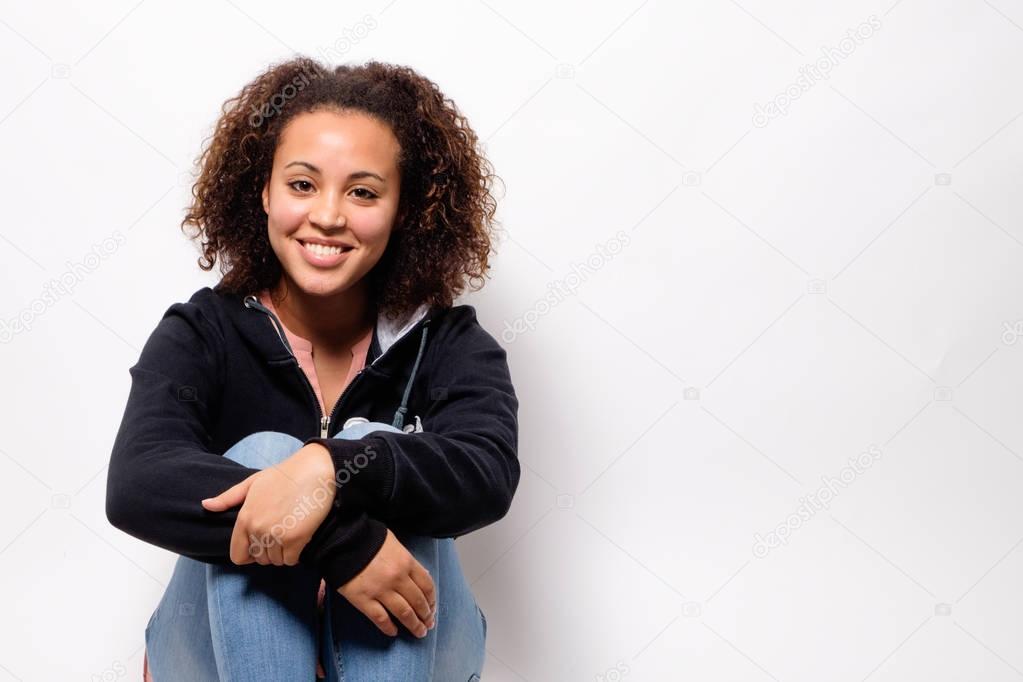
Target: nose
[{"x": 328, "y": 213}]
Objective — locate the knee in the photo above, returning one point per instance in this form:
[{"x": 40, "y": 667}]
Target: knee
[{"x": 263, "y": 449}]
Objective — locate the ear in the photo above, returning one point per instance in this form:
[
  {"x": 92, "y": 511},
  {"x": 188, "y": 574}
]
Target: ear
[{"x": 266, "y": 197}]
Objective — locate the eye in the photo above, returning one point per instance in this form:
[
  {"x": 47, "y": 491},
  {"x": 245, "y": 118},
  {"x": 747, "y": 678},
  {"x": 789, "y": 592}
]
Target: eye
[
  {"x": 299, "y": 182},
  {"x": 368, "y": 193}
]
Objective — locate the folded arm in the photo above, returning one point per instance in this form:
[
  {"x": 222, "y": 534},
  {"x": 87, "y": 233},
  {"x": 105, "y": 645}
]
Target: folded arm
[
  {"x": 461, "y": 472},
  {"x": 162, "y": 466}
]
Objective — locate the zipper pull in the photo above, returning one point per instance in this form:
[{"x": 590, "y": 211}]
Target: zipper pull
[{"x": 324, "y": 424}]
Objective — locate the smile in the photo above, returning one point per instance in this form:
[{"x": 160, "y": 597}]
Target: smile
[
  {"x": 323, "y": 256},
  {"x": 324, "y": 250}
]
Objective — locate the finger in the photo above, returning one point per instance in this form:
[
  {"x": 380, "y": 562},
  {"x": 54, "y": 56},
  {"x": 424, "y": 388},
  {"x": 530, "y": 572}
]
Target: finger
[
  {"x": 403, "y": 611},
  {"x": 412, "y": 593},
  {"x": 240, "y": 542},
  {"x": 377, "y": 614},
  {"x": 275, "y": 552},
  {"x": 257, "y": 549},
  {"x": 231, "y": 497},
  {"x": 291, "y": 555},
  {"x": 422, "y": 578}
]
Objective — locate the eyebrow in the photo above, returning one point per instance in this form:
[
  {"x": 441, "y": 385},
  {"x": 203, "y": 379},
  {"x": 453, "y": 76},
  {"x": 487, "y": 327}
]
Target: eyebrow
[{"x": 357, "y": 175}]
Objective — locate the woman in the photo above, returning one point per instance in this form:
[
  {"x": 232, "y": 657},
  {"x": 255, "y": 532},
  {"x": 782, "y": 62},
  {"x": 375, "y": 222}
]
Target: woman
[{"x": 324, "y": 416}]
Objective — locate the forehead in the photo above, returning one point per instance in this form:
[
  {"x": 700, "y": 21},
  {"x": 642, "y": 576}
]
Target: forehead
[{"x": 336, "y": 141}]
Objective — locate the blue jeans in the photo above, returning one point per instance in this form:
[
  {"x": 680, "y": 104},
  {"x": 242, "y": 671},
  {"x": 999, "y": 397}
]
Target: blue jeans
[{"x": 231, "y": 623}]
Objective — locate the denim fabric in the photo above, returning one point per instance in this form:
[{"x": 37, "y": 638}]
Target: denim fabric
[{"x": 232, "y": 623}]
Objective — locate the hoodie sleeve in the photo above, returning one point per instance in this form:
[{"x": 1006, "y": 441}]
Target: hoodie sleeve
[
  {"x": 461, "y": 472},
  {"x": 162, "y": 466}
]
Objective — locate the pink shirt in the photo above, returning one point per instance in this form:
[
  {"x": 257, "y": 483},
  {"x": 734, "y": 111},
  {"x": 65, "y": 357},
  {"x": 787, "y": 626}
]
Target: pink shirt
[{"x": 303, "y": 350}]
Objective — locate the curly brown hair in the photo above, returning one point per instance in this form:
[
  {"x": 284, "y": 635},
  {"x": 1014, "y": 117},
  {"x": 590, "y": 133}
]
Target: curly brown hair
[{"x": 445, "y": 217}]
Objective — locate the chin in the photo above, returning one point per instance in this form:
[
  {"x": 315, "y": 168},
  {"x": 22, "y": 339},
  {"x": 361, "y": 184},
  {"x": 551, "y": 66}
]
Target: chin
[{"x": 322, "y": 285}]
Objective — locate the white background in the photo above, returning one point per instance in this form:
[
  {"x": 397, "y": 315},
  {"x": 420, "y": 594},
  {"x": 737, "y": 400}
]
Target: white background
[{"x": 783, "y": 297}]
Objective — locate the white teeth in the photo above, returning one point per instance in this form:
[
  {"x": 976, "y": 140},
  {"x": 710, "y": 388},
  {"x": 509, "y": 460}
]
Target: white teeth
[{"x": 322, "y": 250}]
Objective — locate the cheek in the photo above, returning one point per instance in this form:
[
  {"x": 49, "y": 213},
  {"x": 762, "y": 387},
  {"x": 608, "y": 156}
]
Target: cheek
[
  {"x": 372, "y": 231},
  {"x": 286, "y": 215}
]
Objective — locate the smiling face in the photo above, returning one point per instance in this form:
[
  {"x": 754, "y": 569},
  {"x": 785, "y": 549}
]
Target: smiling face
[{"x": 335, "y": 181}]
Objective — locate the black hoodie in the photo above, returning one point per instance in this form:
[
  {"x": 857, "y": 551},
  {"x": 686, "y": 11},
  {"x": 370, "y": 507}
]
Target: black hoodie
[{"x": 219, "y": 368}]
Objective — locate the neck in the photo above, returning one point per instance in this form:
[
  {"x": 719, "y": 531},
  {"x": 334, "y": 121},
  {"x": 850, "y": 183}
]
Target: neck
[{"x": 329, "y": 323}]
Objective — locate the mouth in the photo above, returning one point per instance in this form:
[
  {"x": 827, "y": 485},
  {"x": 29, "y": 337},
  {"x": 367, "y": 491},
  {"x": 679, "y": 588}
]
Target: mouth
[{"x": 323, "y": 256}]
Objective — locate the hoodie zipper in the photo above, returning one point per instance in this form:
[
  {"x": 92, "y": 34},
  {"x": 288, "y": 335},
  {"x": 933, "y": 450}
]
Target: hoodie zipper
[{"x": 323, "y": 420}]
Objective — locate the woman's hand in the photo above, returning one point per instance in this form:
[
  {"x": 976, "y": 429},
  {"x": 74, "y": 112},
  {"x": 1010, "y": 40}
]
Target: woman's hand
[
  {"x": 282, "y": 507},
  {"x": 394, "y": 581}
]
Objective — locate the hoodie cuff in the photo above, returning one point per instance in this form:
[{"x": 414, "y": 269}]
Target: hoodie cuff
[
  {"x": 343, "y": 546},
  {"x": 363, "y": 471}
]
